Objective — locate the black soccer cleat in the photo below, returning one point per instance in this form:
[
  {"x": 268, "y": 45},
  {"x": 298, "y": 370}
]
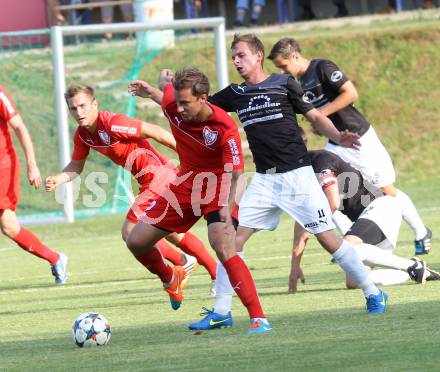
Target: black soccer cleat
[
  {"x": 432, "y": 275},
  {"x": 423, "y": 246},
  {"x": 418, "y": 272}
]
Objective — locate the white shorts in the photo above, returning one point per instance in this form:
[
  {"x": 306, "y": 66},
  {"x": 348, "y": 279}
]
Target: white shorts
[
  {"x": 386, "y": 213},
  {"x": 372, "y": 159},
  {"x": 296, "y": 192}
]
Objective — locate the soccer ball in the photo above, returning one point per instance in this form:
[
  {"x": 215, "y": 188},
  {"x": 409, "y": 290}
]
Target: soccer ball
[{"x": 90, "y": 330}]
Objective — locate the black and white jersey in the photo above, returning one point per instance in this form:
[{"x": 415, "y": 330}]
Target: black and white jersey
[
  {"x": 321, "y": 83},
  {"x": 356, "y": 193},
  {"x": 267, "y": 112}
]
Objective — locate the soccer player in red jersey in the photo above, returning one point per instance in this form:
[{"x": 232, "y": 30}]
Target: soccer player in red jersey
[
  {"x": 211, "y": 161},
  {"x": 124, "y": 140},
  {"x": 10, "y": 187}
]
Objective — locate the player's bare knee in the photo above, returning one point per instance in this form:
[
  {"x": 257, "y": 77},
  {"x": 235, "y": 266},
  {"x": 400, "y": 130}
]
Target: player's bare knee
[
  {"x": 10, "y": 229},
  {"x": 135, "y": 244},
  {"x": 221, "y": 249},
  {"x": 175, "y": 238},
  {"x": 124, "y": 234}
]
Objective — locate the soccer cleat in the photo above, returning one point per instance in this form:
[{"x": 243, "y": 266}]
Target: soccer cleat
[
  {"x": 211, "y": 320},
  {"x": 376, "y": 304},
  {"x": 212, "y": 291},
  {"x": 258, "y": 326},
  {"x": 423, "y": 246},
  {"x": 432, "y": 275},
  {"x": 175, "y": 289},
  {"x": 189, "y": 267},
  {"x": 418, "y": 272},
  {"x": 59, "y": 269}
]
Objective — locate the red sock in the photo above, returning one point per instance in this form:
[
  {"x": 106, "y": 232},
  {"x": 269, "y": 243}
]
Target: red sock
[
  {"x": 30, "y": 243},
  {"x": 154, "y": 262},
  {"x": 192, "y": 245},
  {"x": 243, "y": 284},
  {"x": 169, "y": 253}
]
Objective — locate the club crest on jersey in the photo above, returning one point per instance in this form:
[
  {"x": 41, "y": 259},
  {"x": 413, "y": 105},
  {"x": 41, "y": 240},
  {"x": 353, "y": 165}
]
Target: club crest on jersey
[
  {"x": 336, "y": 76},
  {"x": 308, "y": 96},
  {"x": 210, "y": 136},
  {"x": 104, "y": 136}
]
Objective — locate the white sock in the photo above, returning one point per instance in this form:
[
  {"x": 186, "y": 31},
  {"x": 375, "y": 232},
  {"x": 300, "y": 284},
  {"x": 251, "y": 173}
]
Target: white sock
[
  {"x": 224, "y": 291},
  {"x": 388, "y": 276},
  {"x": 347, "y": 257},
  {"x": 342, "y": 222},
  {"x": 410, "y": 215},
  {"x": 373, "y": 256}
]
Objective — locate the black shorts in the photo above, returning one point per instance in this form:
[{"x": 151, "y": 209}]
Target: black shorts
[
  {"x": 215, "y": 217},
  {"x": 368, "y": 231}
]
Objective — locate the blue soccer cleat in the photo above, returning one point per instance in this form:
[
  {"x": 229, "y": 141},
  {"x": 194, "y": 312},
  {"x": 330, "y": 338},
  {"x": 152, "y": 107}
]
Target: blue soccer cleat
[
  {"x": 59, "y": 270},
  {"x": 211, "y": 320},
  {"x": 258, "y": 326},
  {"x": 376, "y": 304},
  {"x": 423, "y": 245}
]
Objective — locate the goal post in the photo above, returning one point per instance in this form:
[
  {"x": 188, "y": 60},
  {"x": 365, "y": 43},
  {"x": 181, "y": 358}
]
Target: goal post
[{"x": 59, "y": 75}]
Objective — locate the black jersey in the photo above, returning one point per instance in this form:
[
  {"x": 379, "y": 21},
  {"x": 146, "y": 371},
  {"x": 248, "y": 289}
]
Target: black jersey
[
  {"x": 267, "y": 112},
  {"x": 321, "y": 83},
  {"x": 356, "y": 193}
]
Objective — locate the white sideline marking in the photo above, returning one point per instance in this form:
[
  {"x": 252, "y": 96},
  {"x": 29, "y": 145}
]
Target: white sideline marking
[{"x": 69, "y": 286}]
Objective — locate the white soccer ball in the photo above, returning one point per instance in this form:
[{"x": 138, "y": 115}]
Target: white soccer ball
[{"x": 91, "y": 329}]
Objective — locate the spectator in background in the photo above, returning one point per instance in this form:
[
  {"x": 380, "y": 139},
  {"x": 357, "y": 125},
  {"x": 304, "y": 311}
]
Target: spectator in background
[
  {"x": 309, "y": 14},
  {"x": 107, "y": 15},
  {"x": 196, "y": 8},
  {"x": 392, "y": 6},
  {"x": 342, "y": 8},
  {"x": 55, "y": 17},
  {"x": 242, "y": 7},
  {"x": 284, "y": 13}
]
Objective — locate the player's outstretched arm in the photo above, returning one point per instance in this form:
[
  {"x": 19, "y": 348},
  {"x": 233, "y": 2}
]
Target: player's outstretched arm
[
  {"x": 143, "y": 89},
  {"x": 300, "y": 238},
  {"x": 347, "y": 95},
  {"x": 324, "y": 126},
  {"x": 32, "y": 171},
  {"x": 69, "y": 173},
  {"x": 158, "y": 134}
]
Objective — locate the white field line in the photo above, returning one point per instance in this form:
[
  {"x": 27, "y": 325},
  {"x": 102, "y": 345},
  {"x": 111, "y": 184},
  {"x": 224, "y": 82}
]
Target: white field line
[{"x": 69, "y": 287}]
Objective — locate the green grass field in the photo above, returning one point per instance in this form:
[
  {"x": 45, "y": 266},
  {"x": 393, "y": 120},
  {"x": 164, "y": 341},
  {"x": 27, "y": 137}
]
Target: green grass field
[{"x": 322, "y": 327}]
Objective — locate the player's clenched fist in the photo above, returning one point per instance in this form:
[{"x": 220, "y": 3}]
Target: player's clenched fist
[{"x": 51, "y": 183}]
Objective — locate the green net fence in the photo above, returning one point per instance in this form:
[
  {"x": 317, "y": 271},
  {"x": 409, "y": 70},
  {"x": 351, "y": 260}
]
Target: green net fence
[{"x": 26, "y": 74}]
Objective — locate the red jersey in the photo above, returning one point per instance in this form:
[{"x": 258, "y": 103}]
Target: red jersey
[
  {"x": 118, "y": 137},
  {"x": 7, "y": 112},
  {"x": 207, "y": 146}
]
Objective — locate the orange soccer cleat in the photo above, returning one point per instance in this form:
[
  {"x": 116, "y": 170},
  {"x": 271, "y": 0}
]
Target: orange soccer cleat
[
  {"x": 175, "y": 288},
  {"x": 190, "y": 266}
]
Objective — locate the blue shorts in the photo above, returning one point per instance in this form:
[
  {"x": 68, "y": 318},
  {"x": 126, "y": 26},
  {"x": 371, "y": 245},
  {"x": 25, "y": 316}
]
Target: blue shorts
[{"x": 245, "y": 3}]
